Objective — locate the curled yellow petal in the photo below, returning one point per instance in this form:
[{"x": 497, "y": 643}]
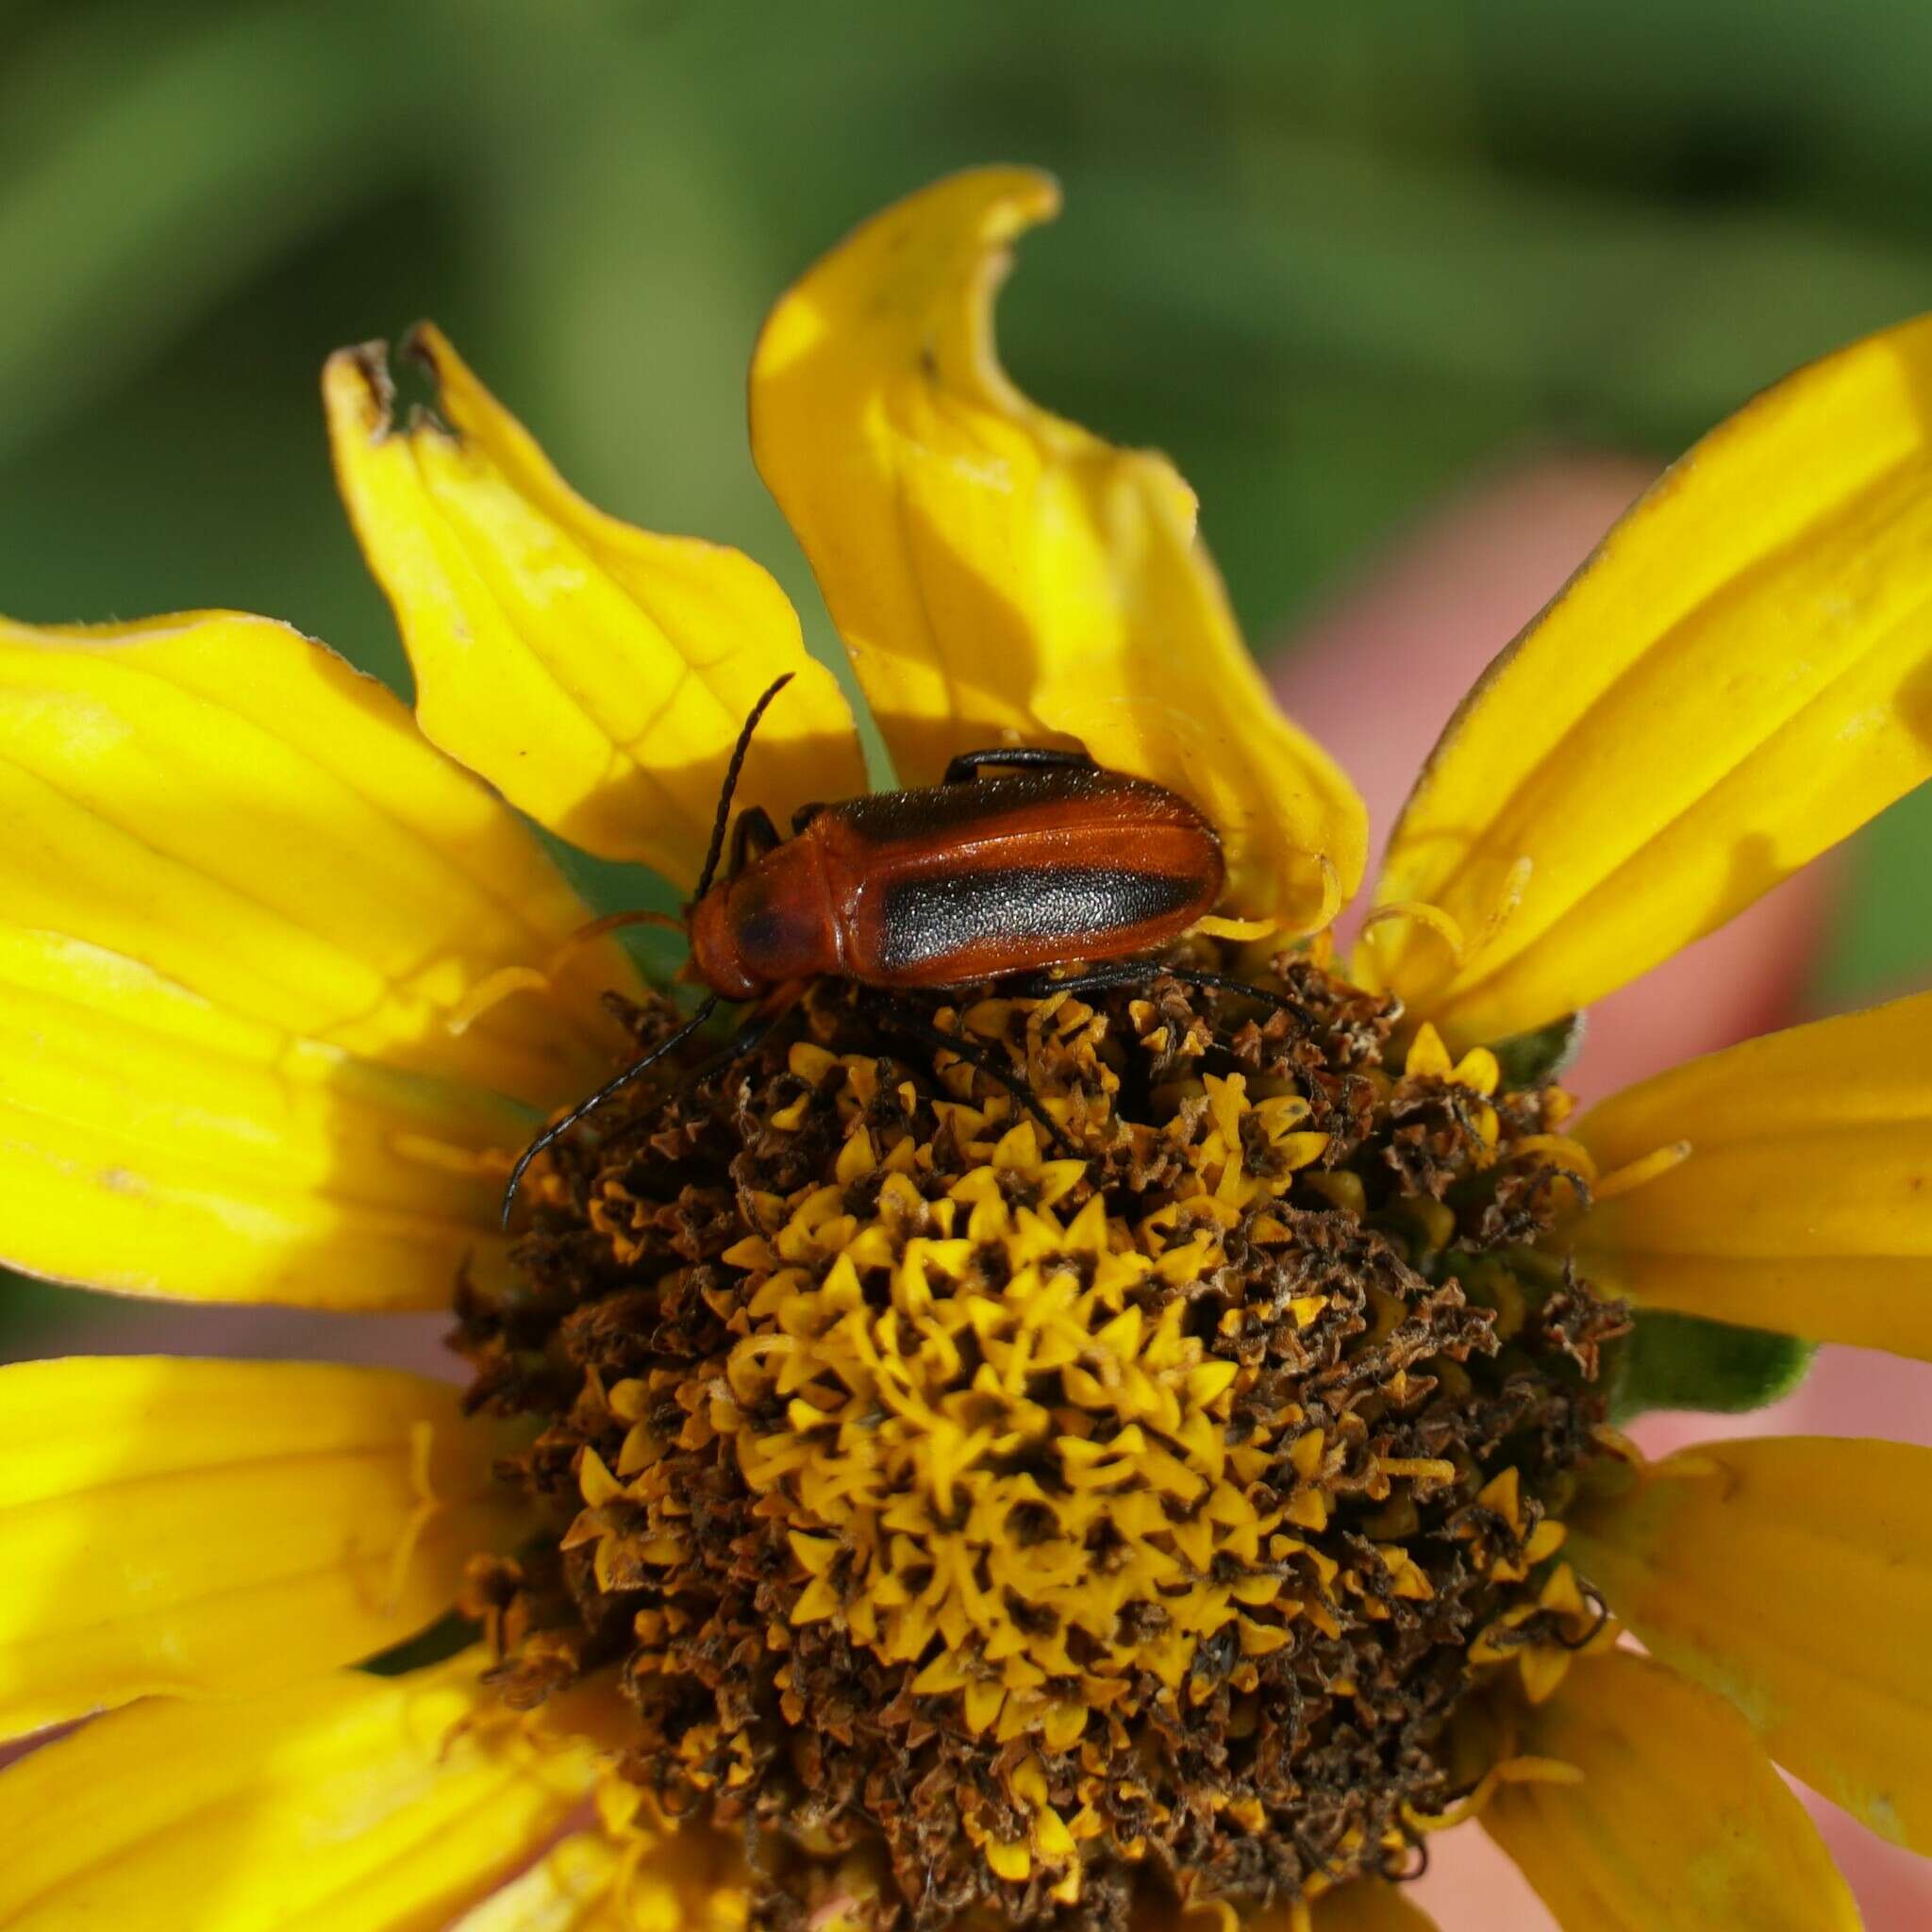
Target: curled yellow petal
[
  {"x": 999, "y": 573},
  {"x": 1678, "y": 1823},
  {"x": 597, "y": 674},
  {"x": 1805, "y": 1201},
  {"x": 344, "y": 1801},
  {"x": 236, "y": 807},
  {"x": 219, "y": 1528},
  {"x": 1794, "y": 1576},
  {"x": 1740, "y": 676}
]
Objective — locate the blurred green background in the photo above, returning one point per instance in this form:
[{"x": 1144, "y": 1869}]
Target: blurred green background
[{"x": 1333, "y": 259}]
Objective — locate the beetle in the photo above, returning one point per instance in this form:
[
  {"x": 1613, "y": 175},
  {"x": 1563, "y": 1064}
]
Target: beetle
[
  {"x": 1050, "y": 860},
  {"x": 1047, "y": 860}
]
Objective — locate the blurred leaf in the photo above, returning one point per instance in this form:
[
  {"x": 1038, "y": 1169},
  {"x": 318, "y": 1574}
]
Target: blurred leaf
[
  {"x": 1532, "y": 1060},
  {"x": 1881, "y": 943},
  {"x": 161, "y": 186},
  {"x": 1671, "y": 1361}
]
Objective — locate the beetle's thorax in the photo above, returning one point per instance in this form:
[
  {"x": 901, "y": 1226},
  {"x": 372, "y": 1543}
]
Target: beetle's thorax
[{"x": 770, "y": 923}]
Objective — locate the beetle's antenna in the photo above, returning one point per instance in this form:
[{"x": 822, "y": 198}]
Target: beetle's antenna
[
  {"x": 731, "y": 772},
  {"x": 557, "y": 1130}
]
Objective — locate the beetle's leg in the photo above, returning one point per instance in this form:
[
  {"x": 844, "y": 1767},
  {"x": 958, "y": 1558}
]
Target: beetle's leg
[
  {"x": 1142, "y": 972},
  {"x": 805, "y": 814},
  {"x": 744, "y": 1041},
  {"x": 557, "y": 1129},
  {"x": 755, "y": 1026},
  {"x": 1041, "y": 756},
  {"x": 898, "y": 1020},
  {"x": 751, "y": 828}
]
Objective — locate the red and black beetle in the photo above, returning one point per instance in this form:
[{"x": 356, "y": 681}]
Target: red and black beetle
[{"x": 1050, "y": 861}]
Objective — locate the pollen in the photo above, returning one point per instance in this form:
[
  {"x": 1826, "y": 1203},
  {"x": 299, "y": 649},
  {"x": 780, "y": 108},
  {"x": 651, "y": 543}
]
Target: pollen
[{"x": 1062, "y": 1456}]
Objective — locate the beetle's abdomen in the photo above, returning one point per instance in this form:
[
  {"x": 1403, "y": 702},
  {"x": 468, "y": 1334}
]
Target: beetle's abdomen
[{"x": 1012, "y": 873}]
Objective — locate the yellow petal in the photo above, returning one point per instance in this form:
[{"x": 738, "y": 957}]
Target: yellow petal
[
  {"x": 690, "y": 1880},
  {"x": 572, "y": 1889},
  {"x": 1739, "y": 678},
  {"x": 238, "y": 808},
  {"x": 211, "y": 1527},
  {"x": 597, "y": 674},
  {"x": 1678, "y": 1825},
  {"x": 1794, "y": 1576},
  {"x": 347, "y": 1801},
  {"x": 1805, "y": 1203},
  {"x": 1365, "y": 1906},
  {"x": 154, "y": 1141},
  {"x": 998, "y": 573}
]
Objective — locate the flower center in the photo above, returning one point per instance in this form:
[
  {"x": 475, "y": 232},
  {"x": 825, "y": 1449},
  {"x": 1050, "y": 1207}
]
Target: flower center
[{"x": 1049, "y": 1511}]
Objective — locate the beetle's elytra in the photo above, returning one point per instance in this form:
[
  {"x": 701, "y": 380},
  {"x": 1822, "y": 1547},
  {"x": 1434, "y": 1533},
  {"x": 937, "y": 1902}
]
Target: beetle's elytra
[{"x": 971, "y": 880}]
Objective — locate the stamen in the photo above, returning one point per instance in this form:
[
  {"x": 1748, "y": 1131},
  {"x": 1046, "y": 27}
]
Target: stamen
[
  {"x": 1460, "y": 948},
  {"x": 1330, "y": 904},
  {"x": 1425, "y": 1470},
  {"x": 507, "y": 981},
  {"x": 1559, "y": 1150},
  {"x": 429, "y": 1505},
  {"x": 1635, "y": 1173},
  {"x": 1523, "y": 1769},
  {"x": 1213, "y": 925},
  {"x": 491, "y": 991},
  {"x": 481, "y": 1164},
  {"x": 1515, "y": 883},
  {"x": 1432, "y": 917},
  {"x": 593, "y": 929}
]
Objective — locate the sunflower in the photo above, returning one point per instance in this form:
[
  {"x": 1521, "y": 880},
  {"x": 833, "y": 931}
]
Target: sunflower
[{"x": 1066, "y": 1458}]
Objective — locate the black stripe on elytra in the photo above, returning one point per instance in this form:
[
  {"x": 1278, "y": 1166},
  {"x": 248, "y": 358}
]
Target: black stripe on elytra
[
  {"x": 926, "y": 919},
  {"x": 947, "y": 811}
]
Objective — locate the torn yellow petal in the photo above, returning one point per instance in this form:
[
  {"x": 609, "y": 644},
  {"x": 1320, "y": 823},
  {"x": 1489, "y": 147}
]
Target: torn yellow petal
[
  {"x": 1678, "y": 1823},
  {"x": 1794, "y": 1576},
  {"x": 1805, "y": 1203},
  {"x": 155, "y": 1141},
  {"x": 1000, "y": 574},
  {"x": 1365, "y": 1906},
  {"x": 219, "y": 1528},
  {"x": 1740, "y": 675},
  {"x": 236, "y": 807},
  {"x": 344, "y": 1801},
  {"x": 597, "y": 674}
]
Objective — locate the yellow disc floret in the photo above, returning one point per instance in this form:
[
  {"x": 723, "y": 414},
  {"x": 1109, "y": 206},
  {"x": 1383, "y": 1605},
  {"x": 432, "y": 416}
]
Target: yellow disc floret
[{"x": 1001, "y": 1433}]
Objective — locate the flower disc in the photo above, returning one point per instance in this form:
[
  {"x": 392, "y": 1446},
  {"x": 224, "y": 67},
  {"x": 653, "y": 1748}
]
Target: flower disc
[{"x": 1035, "y": 1495}]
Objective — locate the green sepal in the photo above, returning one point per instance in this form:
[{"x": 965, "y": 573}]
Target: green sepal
[
  {"x": 1535, "y": 1059},
  {"x": 1682, "y": 1362},
  {"x": 436, "y": 1644}
]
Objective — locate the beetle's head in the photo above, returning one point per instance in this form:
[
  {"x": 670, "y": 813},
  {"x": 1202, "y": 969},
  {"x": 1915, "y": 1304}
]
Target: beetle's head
[{"x": 715, "y": 957}]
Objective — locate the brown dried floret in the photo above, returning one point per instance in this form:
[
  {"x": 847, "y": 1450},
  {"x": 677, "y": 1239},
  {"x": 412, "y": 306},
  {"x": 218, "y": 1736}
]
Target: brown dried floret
[{"x": 1048, "y": 1526}]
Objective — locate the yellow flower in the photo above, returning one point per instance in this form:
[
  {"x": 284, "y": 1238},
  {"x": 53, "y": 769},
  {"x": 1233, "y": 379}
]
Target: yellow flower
[{"x": 1223, "y": 1481}]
